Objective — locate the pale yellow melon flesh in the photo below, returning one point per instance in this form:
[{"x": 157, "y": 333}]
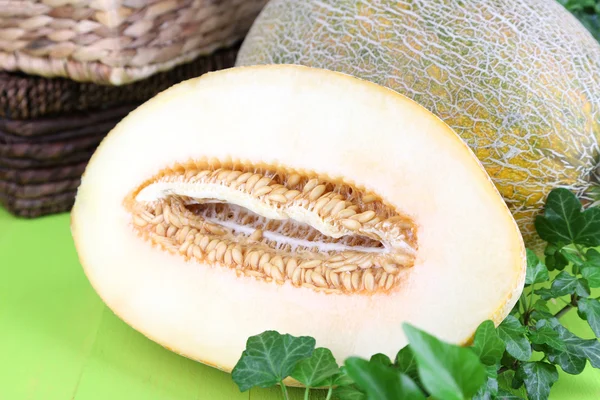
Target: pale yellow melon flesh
[{"x": 469, "y": 265}]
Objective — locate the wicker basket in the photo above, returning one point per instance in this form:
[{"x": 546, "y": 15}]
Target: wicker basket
[
  {"x": 50, "y": 127},
  {"x": 32, "y": 97},
  {"x": 28, "y": 176},
  {"x": 40, "y": 206},
  {"x": 64, "y": 126},
  {"x": 116, "y": 41},
  {"x": 48, "y": 141},
  {"x": 26, "y": 163},
  {"x": 35, "y": 191}
]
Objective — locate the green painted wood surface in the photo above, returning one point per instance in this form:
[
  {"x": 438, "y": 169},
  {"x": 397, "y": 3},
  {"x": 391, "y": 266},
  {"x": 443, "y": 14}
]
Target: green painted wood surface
[{"x": 59, "y": 342}]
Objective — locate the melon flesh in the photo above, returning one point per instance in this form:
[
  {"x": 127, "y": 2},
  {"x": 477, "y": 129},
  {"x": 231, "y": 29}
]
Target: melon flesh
[
  {"x": 519, "y": 81},
  {"x": 464, "y": 264}
]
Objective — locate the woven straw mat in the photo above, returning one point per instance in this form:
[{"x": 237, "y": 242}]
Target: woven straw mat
[{"x": 119, "y": 41}]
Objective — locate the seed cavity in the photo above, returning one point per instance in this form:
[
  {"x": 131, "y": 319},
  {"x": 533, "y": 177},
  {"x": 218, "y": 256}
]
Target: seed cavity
[{"x": 276, "y": 225}]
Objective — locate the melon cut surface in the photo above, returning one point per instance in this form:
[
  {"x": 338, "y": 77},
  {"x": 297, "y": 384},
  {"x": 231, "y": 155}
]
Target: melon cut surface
[
  {"x": 519, "y": 81},
  {"x": 293, "y": 199}
]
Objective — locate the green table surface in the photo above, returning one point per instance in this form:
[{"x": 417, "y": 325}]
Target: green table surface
[{"x": 58, "y": 341}]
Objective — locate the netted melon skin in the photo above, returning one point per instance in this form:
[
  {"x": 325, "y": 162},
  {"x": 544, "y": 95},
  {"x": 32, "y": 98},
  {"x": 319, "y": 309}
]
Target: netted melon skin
[{"x": 518, "y": 81}]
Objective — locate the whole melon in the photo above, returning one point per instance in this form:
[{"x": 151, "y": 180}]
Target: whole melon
[{"x": 519, "y": 81}]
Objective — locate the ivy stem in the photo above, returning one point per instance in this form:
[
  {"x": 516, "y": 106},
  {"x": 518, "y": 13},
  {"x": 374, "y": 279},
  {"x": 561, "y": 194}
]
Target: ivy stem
[
  {"x": 530, "y": 298},
  {"x": 580, "y": 252},
  {"x": 567, "y": 308},
  {"x": 526, "y": 306},
  {"x": 524, "y": 303},
  {"x": 563, "y": 300},
  {"x": 329, "y": 393},
  {"x": 573, "y": 302},
  {"x": 307, "y": 393},
  {"x": 563, "y": 311},
  {"x": 284, "y": 391}
]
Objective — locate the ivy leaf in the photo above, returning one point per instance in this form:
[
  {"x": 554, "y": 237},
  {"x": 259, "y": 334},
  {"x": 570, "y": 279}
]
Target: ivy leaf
[
  {"x": 591, "y": 349},
  {"x": 314, "y": 371},
  {"x": 536, "y": 270},
  {"x": 591, "y": 268},
  {"x": 583, "y": 288},
  {"x": 554, "y": 258},
  {"x": 541, "y": 311},
  {"x": 407, "y": 363},
  {"x": 381, "y": 382},
  {"x": 591, "y": 275},
  {"x": 487, "y": 344},
  {"x": 505, "y": 383},
  {"x": 381, "y": 359},
  {"x": 490, "y": 389},
  {"x": 589, "y": 309},
  {"x": 561, "y": 211},
  {"x": 546, "y": 293},
  {"x": 345, "y": 389},
  {"x": 545, "y": 334},
  {"x": 559, "y": 262},
  {"x": 572, "y": 257},
  {"x": 513, "y": 334},
  {"x": 447, "y": 371},
  {"x": 591, "y": 22},
  {"x": 269, "y": 358},
  {"x": 348, "y": 393},
  {"x": 564, "y": 284},
  {"x": 587, "y": 227},
  {"x": 342, "y": 378},
  {"x": 593, "y": 257},
  {"x": 572, "y": 360},
  {"x": 517, "y": 381},
  {"x": 507, "y": 360},
  {"x": 539, "y": 378},
  {"x": 563, "y": 221},
  {"x": 506, "y": 395}
]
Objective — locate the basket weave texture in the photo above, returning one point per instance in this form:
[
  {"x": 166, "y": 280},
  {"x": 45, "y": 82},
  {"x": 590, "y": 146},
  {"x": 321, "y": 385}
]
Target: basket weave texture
[
  {"x": 116, "y": 41},
  {"x": 42, "y": 158},
  {"x": 32, "y": 97},
  {"x": 37, "y": 175},
  {"x": 39, "y": 206},
  {"x": 41, "y": 161}
]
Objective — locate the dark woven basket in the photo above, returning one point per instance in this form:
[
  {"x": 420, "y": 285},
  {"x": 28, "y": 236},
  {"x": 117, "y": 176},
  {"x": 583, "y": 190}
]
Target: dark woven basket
[
  {"x": 49, "y": 128},
  {"x": 30, "y": 176},
  {"x": 26, "y": 163},
  {"x": 28, "y": 97},
  {"x": 60, "y": 127},
  {"x": 52, "y": 150},
  {"x": 33, "y": 208},
  {"x": 48, "y": 139},
  {"x": 12, "y": 190},
  {"x": 42, "y": 169}
]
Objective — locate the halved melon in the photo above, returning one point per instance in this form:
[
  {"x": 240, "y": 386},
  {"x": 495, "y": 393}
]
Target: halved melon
[{"x": 293, "y": 199}]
